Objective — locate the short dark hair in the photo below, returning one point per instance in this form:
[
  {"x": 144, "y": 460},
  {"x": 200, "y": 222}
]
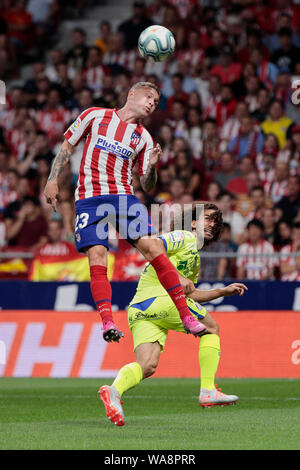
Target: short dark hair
[
  {"x": 192, "y": 211},
  {"x": 285, "y": 31},
  {"x": 225, "y": 193},
  {"x": 296, "y": 225},
  {"x": 256, "y": 223},
  {"x": 257, "y": 188},
  {"x": 35, "y": 201}
]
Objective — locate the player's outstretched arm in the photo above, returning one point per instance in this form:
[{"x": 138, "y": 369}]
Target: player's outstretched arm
[
  {"x": 148, "y": 180},
  {"x": 236, "y": 288},
  {"x": 62, "y": 158}
]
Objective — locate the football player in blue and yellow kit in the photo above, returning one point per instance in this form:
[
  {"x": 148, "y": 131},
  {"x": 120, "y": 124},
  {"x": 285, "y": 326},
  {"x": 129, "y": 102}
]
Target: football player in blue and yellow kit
[{"x": 152, "y": 314}]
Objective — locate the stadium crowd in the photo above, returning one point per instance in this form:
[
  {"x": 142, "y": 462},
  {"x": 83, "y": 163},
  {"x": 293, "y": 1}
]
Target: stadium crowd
[{"x": 227, "y": 121}]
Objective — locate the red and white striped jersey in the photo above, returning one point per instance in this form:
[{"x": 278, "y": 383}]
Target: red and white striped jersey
[
  {"x": 291, "y": 261},
  {"x": 111, "y": 149},
  {"x": 53, "y": 122},
  {"x": 256, "y": 266},
  {"x": 276, "y": 190},
  {"x": 192, "y": 57}
]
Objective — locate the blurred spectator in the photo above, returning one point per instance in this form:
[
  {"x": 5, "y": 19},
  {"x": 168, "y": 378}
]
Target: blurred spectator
[
  {"x": 249, "y": 140},
  {"x": 29, "y": 229},
  {"x": 67, "y": 212},
  {"x": 179, "y": 93},
  {"x": 291, "y": 153},
  {"x": 104, "y": 40},
  {"x": 54, "y": 117},
  {"x": 284, "y": 21},
  {"x": 214, "y": 96},
  {"x": 40, "y": 148},
  {"x": 173, "y": 22},
  {"x": 293, "y": 112},
  {"x": 19, "y": 26},
  {"x": 258, "y": 199},
  {"x": 51, "y": 70},
  {"x": 194, "y": 132},
  {"x": 228, "y": 70},
  {"x": 132, "y": 28},
  {"x": 228, "y": 170},
  {"x": 289, "y": 205},
  {"x": 138, "y": 72},
  {"x": 177, "y": 190},
  {"x": 277, "y": 123},
  {"x": 9, "y": 186},
  {"x": 231, "y": 127},
  {"x": 251, "y": 265},
  {"x": 283, "y": 233},
  {"x": 277, "y": 188},
  {"x": 182, "y": 168},
  {"x": 237, "y": 223},
  {"x": 193, "y": 53},
  {"x": 269, "y": 221},
  {"x": 214, "y": 189},
  {"x": 266, "y": 71},
  {"x": 118, "y": 58},
  {"x": 262, "y": 106},
  {"x": 209, "y": 149},
  {"x": 177, "y": 118},
  {"x": 78, "y": 54},
  {"x": 95, "y": 70},
  {"x": 163, "y": 185},
  {"x": 56, "y": 245},
  {"x": 23, "y": 190},
  {"x": 239, "y": 185},
  {"x": 287, "y": 55},
  {"x": 217, "y": 43},
  {"x": 217, "y": 268},
  {"x": 289, "y": 264},
  {"x": 226, "y": 106},
  {"x": 254, "y": 37}
]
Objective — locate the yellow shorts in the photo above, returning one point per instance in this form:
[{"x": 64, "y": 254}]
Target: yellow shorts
[{"x": 150, "y": 320}]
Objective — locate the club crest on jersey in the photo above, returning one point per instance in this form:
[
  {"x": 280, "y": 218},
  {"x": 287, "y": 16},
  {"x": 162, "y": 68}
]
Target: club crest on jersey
[{"x": 135, "y": 138}]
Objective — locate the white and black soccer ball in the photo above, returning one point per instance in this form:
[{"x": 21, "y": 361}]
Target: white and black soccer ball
[{"x": 156, "y": 43}]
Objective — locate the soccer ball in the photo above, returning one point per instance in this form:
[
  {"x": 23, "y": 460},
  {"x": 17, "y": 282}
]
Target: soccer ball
[{"x": 156, "y": 43}]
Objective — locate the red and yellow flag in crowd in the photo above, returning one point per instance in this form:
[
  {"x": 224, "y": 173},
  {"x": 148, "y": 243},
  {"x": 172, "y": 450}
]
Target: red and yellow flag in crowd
[{"x": 122, "y": 266}]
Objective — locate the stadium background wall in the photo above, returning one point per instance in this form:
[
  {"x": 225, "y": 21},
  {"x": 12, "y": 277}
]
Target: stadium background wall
[
  {"x": 69, "y": 344},
  {"x": 19, "y": 295}
]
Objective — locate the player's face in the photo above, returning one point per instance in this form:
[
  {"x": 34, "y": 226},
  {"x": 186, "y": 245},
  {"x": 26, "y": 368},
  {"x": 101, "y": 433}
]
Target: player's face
[
  {"x": 209, "y": 223},
  {"x": 206, "y": 224},
  {"x": 145, "y": 100}
]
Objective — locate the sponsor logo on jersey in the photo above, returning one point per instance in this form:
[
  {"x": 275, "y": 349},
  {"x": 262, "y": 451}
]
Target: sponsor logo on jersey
[
  {"x": 176, "y": 236},
  {"x": 76, "y": 123},
  {"x": 114, "y": 147},
  {"x": 135, "y": 138}
]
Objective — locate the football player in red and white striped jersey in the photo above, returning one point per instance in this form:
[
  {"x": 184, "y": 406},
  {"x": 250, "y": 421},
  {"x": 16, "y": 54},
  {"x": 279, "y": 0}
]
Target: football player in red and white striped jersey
[{"x": 114, "y": 142}]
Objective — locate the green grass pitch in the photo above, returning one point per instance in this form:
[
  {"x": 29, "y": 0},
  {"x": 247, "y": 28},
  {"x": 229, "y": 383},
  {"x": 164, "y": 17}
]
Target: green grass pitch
[{"x": 161, "y": 414}]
